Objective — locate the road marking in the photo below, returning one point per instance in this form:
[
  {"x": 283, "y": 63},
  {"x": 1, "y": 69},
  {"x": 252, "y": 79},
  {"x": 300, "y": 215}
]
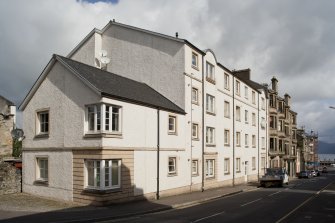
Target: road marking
[
  {"x": 213, "y": 215},
  {"x": 251, "y": 202},
  {"x": 270, "y": 195},
  {"x": 303, "y": 203}
]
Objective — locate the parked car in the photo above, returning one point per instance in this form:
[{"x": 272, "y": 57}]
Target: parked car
[
  {"x": 324, "y": 170},
  {"x": 274, "y": 177},
  {"x": 305, "y": 174},
  {"x": 313, "y": 173},
  {"x": 317, "y": 173}
]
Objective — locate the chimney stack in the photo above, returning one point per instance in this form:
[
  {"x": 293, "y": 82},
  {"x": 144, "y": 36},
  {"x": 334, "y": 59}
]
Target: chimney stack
[
  {"x": 287, "y": 99},
  {"x": 274, "y": 82}
]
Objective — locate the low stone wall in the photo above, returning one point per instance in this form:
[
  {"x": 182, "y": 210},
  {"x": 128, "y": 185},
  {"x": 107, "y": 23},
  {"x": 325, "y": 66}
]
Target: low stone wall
[{"x": 10, "y": 179}]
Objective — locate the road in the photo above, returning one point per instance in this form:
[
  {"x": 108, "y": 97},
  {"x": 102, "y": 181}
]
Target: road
[{"x": 304, "y": 200}]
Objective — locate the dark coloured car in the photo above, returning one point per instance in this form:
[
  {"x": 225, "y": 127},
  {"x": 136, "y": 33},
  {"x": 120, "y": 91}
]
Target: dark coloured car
[
  {"x": 324, "y": 170},
  {"x": 317, "y": 173}
]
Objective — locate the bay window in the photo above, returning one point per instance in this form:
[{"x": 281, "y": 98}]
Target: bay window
[
  {"x": 103, "y": 174},
  {"x": 103, "y": 118}
]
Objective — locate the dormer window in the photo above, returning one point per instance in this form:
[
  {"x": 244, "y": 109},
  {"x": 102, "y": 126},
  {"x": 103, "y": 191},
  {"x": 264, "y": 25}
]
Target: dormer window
[{"x": 210, "y": 72}]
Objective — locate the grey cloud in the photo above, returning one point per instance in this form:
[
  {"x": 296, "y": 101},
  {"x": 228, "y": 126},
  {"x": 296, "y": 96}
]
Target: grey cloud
[{"x": 290, "y": 39}]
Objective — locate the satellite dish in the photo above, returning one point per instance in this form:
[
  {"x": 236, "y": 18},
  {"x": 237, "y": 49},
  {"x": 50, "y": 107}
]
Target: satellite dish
[
  {"x": 103, "y": 53},
  {"x": 17, "y": 134},
  {"x": 105, "y": 60}
]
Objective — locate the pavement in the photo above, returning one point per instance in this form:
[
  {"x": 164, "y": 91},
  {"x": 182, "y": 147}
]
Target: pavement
[{"x": 27, "y": 208}]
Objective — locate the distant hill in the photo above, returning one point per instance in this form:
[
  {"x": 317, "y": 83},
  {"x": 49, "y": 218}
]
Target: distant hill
[{"x": 326, "y": 148}]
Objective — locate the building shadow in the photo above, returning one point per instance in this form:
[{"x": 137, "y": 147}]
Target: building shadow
[{"x": 112, "y": 205}]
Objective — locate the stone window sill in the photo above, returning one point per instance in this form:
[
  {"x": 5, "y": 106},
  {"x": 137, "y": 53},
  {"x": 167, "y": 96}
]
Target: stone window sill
[
  {"x": 42, "y": 136},
  {"x": 99, "y": 191},
  {"x": 195, "y": 67},
  {"x": 172, "y": 174},
  {"x": 103, "y": 135},
  {"x": 41, "y": 183}
]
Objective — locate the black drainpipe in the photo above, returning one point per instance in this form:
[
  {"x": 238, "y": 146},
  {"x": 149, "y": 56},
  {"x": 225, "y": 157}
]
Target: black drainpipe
[
  {"x": 258, "y": 138},
  {"x": 203, "y": 128},
  {"x": 233, "y": 131},
  {"x": 157, "y": 193}
]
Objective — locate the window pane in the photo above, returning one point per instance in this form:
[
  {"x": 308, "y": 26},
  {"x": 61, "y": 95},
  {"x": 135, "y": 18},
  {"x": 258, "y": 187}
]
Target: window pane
[
  {"x": 172, "y": 165},
  {"x": 115, "y": 117},
  {"x": 91, "y": 122},
  {"x": 115, "y": 173},
  {"x": 90, "y": 173},
  {"x": 107, "y": 118},
  {"x": 98, "y": 117},
  {"x": 98, "y": 173},
  {"x": 107, "y": 180}
]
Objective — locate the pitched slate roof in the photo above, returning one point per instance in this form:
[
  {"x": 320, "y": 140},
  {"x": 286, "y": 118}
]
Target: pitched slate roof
[{"x": 118, "y": 87}]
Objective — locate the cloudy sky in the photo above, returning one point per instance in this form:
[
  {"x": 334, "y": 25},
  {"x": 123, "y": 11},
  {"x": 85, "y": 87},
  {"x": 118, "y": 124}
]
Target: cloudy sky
[{"x": 293, "y": 40}]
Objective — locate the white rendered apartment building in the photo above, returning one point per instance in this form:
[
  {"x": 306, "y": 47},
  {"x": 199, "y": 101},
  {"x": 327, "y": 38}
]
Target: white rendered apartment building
[{"x": 212, "y": 128}]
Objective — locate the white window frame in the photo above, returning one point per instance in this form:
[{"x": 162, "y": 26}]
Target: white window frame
[
  {"x": 253, "y": 163},
  {"x": 195, "y": 170},
  {"x": 195, "y": 131},
  {"x": 226, "y": 81},
  {"x": 238, "y": 164},
  {"x": 238, "y": 138},
  {"x": 195, "y": 95},
  {"x": 43, "y": 122},
  {"x": 238, "y": 113},
  {"x": 99, "y": 178},
  {"x": 262, "y": 162},
  {"x": 210, "y": 135},
  {"x": 210, "y": 104},
  {"x": 195, "y": 59},
  {"x": 226, "y": 137},
  {"x": 237, "y": 88},
  {"x": 246, "y": 140},
  {"x": 210, "y": 71},
  {"x": 104, "y": 118},
  {"x": 42, "y": 169},
  {"x": 172, "y": 126},
  {"x": 263, "y": 103},
  {"x": 253, "y": 117},
  {"x": 246, "y": 116},
  {"x": 210, "y": 168},
  {"x": 172, "y": 163},
  {"x": 226, "y": 109},
  {"x": 263, "y": 142},
  {"x": 246, "y": 91},
  {"x": 226, "y": 166},
  {"x": 253, "y": 139},
  {"x": 253, "y": 96}
]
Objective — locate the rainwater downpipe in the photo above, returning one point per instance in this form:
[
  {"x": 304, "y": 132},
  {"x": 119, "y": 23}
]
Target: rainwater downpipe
[
  {"x": 203, "y": 129},
  {"x": 233, "y": 130},
  {"x": 191, "y": 152},
  {"x": 258, "y": 163},
  {"x": 157, "y": 193}
]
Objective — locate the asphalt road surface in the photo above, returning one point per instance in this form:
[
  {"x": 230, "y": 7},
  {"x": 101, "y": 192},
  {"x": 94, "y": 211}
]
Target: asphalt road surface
[{"x": 304, "y": 200}]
